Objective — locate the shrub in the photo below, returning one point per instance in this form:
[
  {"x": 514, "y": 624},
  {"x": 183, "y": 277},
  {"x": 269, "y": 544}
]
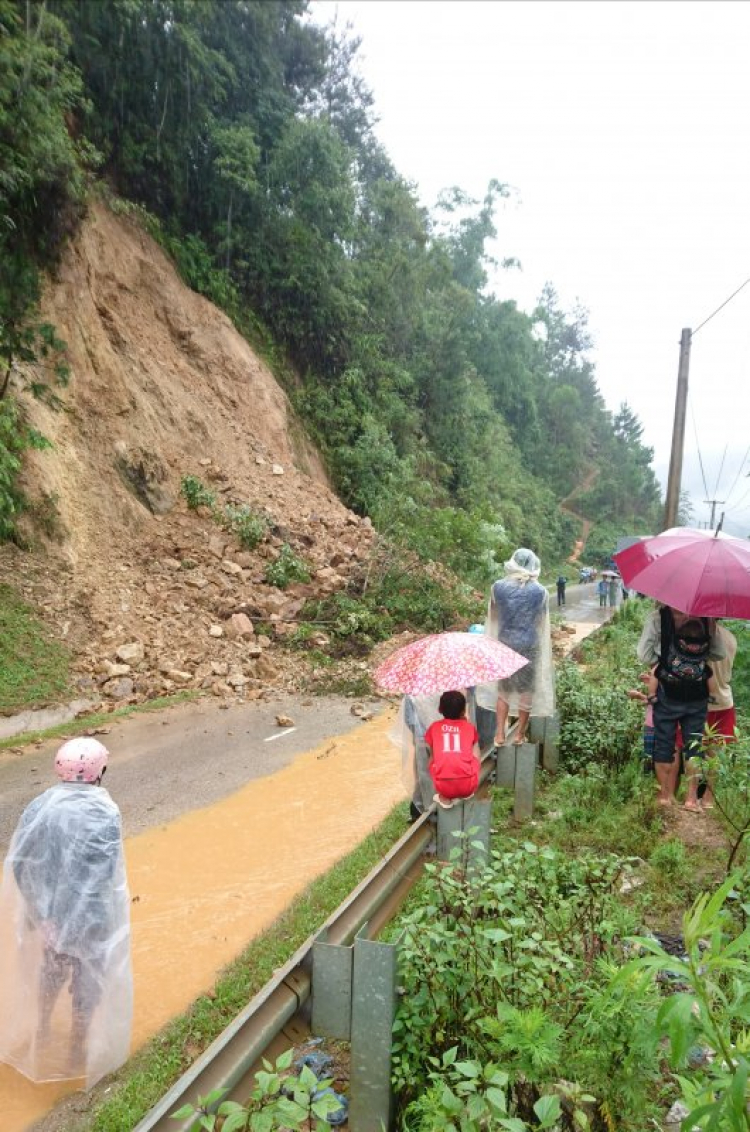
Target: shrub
[
  {"x": 288, "y": 567},
  {"x": 391, "y": 598},
  {"x": 15, "y": 438},
  {"x": 597, "y": 723},
  {"x": 249, "y": 527},
  {"x": 709, "y": 1013},
  {"x": 506, "y": 971},
  {"x": 730, "y": 769},
  {"x": 195, "y": 493}
]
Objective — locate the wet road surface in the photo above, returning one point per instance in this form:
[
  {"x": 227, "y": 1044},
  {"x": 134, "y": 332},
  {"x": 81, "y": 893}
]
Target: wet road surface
[{"x": 228, "y": 817}]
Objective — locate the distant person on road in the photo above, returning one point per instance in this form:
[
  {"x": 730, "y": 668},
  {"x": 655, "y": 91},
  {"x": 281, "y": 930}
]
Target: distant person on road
[
  {"x": 613, "y": 587},
  {"x": 518, "y": 615},
  {"x": 602, "y": 589},
  {"x": 678, "y": 647},
  {"x": 453, "y": 744},
  {"x": 65, "y": 976},
  {"x": 562, "y": 582}
]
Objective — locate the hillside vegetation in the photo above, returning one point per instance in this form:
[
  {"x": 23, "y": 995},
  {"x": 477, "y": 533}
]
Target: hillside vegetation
[{"x": 245, "y": 135}]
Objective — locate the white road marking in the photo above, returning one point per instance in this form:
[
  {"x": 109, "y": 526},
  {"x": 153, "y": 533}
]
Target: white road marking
[{"x": 279, "y": 735}]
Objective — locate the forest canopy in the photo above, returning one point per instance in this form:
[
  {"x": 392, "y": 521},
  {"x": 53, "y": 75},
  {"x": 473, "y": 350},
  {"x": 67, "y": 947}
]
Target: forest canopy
[{"x": 454, "y": 419}]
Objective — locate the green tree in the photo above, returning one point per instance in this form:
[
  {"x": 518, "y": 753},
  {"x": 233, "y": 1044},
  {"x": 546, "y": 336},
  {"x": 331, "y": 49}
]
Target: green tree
[{"x": 41, "y": 190}]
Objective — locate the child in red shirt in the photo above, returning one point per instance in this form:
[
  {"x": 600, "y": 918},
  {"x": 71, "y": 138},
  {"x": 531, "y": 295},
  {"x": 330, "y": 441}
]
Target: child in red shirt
[{"x": 453, "y": 743}]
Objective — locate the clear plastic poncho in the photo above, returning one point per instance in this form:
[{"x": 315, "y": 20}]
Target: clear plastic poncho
[
  {"x": 66, "y": 984},
  {"x": 518, "y": 615},
  {"x": 415, "y": 715}
]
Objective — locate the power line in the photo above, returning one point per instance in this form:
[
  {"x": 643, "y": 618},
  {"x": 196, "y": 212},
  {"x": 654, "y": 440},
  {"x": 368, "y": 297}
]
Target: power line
[
  {"x": 742, "y": 369},
  {"x": 721, "y": 468},
  {"x": 705, "y": 320},
  {"x": 698, "y": 448},
  {"x": 742, "y": 498},
  {"x": 739, "y": 473}
]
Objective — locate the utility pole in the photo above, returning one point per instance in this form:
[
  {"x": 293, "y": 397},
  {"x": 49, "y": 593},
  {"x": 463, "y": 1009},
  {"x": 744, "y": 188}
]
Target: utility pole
[
  {"x": 713, "y": 503},
  {"x": 678, "y": 434}
]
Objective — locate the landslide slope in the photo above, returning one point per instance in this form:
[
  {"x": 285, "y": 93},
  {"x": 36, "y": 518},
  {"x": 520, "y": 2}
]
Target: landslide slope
[{"x": 162, "y": 385}]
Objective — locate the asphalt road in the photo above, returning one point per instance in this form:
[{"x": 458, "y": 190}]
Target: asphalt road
[
  {"x": 185, "y": 757},
  {"x": 581, "y": 604}
]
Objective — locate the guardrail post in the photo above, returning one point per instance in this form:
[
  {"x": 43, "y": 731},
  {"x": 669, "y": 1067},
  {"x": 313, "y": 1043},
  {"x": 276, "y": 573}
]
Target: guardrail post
[
  {"x": 373, "y": 1013},
  {"x": 354, "y": 999},
  {"x": 537, "y": 729},
  {"x": 485, "y": 725},
  {"x": 527, "y": 755},
  {"x": 463, "y": 816},
  {"x": 516, "y": 771},
  {"x": 550, "y": 751},
  {"x": 332, "y": 990},
  {"x": 505, "y": 774}
]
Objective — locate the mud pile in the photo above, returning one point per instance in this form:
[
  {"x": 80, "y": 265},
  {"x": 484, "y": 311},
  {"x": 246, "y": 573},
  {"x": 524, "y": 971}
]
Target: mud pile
[{"x": 149, "y": 595}]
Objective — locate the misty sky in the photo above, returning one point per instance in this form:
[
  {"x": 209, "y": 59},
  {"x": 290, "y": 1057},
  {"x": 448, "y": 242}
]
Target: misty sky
[{"x": 624, "y": 128}]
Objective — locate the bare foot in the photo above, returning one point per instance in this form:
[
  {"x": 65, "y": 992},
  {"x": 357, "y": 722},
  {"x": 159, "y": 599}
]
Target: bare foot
[
  {"x": 499, "y": 740},
  {"x": 693, "y": 807},
  {"x": 665, "y": 801},
  {"x": 519, "y": 739}
]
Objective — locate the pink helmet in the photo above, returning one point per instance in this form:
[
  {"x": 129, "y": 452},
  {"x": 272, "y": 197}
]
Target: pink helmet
[{"x": 81, "y": 760}]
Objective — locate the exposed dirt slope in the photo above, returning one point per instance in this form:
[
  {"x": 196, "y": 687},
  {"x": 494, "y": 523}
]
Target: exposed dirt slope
[
  {"x": 162, "y": 385},
  {"x": 586, "y": 524}
]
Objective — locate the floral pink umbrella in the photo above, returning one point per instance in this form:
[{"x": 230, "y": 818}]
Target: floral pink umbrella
[{"x": 445, "y": 661}]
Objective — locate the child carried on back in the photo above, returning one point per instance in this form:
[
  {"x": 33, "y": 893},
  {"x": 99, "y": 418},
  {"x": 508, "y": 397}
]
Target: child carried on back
[{"x": 453, "y": 744}]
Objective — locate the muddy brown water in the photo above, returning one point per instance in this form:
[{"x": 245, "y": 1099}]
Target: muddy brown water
[{"x": 207, "y": 883}]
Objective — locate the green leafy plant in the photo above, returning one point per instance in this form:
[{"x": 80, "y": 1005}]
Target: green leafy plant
[
  {"x": 598, "y": 724},
  {"x": 391, "y": 595},
  {"x": 507, "y": 964},
  {"x": 711, "y": 1013},
  {"x": 288, "y": 567},
  {"x": 195, "y": 493},
  {"x": 729, "y": 770},
  {"x": 280, "y": 1102},
  {"x": 474, "y": 1094},
  {"x": 15, "y": 438},
  {"x": 249, "y": 527}
]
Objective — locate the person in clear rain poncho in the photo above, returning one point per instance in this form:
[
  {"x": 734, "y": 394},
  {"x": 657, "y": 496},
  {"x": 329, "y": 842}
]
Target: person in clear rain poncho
[
  {"x": 65, "y": 976},
  {"x": 518, "y": 615},
  {"x": 415, "y": 715}
]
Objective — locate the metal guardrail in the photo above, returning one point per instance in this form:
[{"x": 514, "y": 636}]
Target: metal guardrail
[
  {"x": 229, "y": 1058},
  {"x": 232, "y": 1055}
]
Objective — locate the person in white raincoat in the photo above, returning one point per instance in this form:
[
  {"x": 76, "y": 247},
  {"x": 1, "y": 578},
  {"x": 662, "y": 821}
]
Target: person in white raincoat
[
  {"x": 65, "y": 976},
  {"x": 415, "y": 715},
  {"x": 518, "y": 615}
]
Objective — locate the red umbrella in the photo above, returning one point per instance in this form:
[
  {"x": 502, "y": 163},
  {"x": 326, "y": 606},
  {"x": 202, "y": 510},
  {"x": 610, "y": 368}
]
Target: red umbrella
[
  {"x": 445, "y": 661},
  {"x": 698, "y": 572}
]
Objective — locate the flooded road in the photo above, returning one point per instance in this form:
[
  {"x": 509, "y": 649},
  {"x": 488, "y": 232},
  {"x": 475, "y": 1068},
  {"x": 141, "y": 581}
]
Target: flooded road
[
  {"x": 582, "y": 611},
  {"x": 229, "y": 816},
  {"x": 206, "y": 883}
]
